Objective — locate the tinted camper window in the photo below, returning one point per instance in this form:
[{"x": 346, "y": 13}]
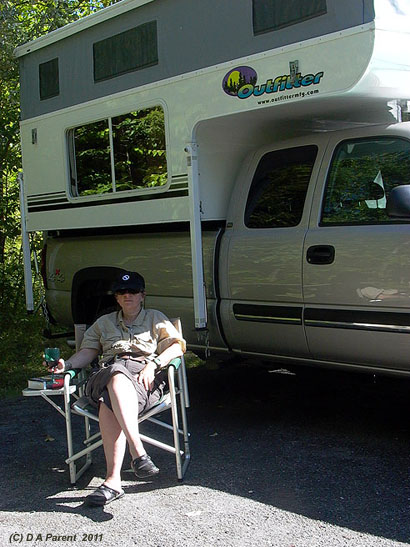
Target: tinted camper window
[
  {"x": 278, "y": 191},
  {"x": 130, "y": 50},
  {"x": 49, "y": 79},
  {"x": 117, "y": 154},
  {"x": 361, "y": 176},
  {"x": 275, "y": 14}
]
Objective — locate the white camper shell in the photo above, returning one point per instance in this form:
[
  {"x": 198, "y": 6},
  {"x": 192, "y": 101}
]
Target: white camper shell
[{"x": 227, "y": 80}]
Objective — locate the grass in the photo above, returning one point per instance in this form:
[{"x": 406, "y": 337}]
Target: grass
[
  {"x": 192, "y": 360},
  {"x": 21, "y": 356}
]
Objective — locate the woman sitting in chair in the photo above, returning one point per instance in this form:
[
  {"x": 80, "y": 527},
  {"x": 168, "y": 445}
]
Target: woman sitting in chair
[{"x": 134, "y": 344}]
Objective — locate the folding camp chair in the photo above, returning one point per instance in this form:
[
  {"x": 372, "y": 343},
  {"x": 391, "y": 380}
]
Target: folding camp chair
[{"x": 175, "y": 399}]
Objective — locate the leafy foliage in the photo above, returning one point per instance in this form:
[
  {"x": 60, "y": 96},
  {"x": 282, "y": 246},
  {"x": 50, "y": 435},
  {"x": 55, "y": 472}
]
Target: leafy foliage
[
  {"x": 138, "y": 150},
  {"x": 21, "y": 21}
]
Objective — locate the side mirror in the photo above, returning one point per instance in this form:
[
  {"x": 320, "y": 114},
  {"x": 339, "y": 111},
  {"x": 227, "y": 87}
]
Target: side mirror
[{"x": 398, "y": 202}]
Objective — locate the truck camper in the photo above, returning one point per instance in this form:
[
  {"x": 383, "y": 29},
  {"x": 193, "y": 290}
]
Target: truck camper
[{"x": 251, "y": 159}]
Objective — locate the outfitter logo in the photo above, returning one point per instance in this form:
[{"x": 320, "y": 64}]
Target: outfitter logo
[{"x": 241, "y": 82}]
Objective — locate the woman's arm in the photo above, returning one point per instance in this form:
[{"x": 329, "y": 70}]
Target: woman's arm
[
  {"x": 147, "y": 374},
  {"x": 81, "y": 359},
  {"x": 173, "y": 351}
]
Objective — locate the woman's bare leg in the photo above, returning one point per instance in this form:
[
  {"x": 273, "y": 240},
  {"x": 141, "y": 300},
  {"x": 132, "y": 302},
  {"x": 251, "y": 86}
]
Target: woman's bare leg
[
  {"x": 124, "y": 402},
  {"x": 114, "y": 443}
]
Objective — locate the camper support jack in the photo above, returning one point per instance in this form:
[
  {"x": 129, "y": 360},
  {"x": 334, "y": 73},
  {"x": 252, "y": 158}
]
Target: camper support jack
[{"x": 196, "y": 237}]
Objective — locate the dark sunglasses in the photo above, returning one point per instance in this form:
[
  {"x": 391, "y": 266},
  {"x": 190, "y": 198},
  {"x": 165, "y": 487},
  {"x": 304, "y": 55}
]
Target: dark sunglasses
[{"x": 129, "y": 291}]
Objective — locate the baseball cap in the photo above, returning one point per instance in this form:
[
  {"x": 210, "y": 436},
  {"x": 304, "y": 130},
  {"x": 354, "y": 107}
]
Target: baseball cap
[{"x": 128, "y": 280}]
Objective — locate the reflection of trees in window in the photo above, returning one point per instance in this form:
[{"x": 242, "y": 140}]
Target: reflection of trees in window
[
  {"x": 139, "y": 149},
  {"x": 123, "y": 153},
  {"x": 277, "y": 195},
  {"x": 361, "y": 177},
  {"x": 92, "y": 158}
]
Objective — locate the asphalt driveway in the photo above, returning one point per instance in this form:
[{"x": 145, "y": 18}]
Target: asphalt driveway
[{"x": 283, "y": 460}]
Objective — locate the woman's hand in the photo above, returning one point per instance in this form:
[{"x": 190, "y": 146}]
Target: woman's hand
[
  {"x": 57, "y": 368},
  {"x": 81, "y": 359},
  {"x": 147, "y": 375}
]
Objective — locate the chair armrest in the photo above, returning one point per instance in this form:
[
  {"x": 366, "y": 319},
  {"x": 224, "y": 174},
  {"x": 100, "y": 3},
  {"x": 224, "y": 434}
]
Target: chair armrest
[
  {"x": 176, "y": 363},
  {"x": 73, "y": 372},
  {"x": 75, "y": 377}
]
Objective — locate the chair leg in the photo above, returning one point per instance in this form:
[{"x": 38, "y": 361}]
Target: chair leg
[
  {"x": 184, "y": 404},
  {"x": 175, "y": 423},
  {"x": 182, "y": 458},
  {"x": 67, "y": 415},
  {"x": 72, "y": 466},
  {"x": 183, "y": 382}
]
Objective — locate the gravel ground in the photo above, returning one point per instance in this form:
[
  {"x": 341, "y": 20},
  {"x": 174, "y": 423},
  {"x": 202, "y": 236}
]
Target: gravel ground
[{"x": 303, "y": 460}]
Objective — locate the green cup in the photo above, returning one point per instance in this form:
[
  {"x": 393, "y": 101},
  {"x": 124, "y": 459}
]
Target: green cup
[{"x": 51, "y": 357}]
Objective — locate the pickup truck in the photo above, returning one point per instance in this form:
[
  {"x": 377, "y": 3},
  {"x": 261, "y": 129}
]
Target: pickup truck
[
  {"x": 308, "y": 266},
  {"x": 258, "y": 180}
]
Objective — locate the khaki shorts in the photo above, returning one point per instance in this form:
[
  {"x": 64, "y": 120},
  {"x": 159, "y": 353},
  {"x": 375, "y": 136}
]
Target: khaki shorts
[{"x": 96, "y": 388}]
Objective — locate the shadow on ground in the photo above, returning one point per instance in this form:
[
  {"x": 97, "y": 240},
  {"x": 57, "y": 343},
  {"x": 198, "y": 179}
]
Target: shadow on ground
[{"x": 329, "y": 446}]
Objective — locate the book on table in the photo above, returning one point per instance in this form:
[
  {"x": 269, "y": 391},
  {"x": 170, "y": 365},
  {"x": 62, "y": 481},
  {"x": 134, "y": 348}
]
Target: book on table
[{"x": 46, "y": 382}]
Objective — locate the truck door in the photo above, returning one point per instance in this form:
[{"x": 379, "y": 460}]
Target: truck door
[
  {"x": 261, "y": 273},
  {"x": 356, "y": 260}
]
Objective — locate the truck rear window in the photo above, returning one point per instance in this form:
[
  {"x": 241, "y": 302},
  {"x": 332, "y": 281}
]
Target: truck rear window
[{"x": 278, "y": 190}]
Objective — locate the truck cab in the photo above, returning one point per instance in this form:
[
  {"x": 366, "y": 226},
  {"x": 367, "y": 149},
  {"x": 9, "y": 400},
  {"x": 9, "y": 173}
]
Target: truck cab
[{"x": 317, "y": 269}]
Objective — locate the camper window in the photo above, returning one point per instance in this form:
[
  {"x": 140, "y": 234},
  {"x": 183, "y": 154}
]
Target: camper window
[
  {"x": 270, "y": 15},
  {"x": 49, "y": 83},
  {"x": 125, "y": 52},
  {"x": 361, "y": 176},
  {"x": 121, "y": 153},
  {"x": 278, "y": 191}
]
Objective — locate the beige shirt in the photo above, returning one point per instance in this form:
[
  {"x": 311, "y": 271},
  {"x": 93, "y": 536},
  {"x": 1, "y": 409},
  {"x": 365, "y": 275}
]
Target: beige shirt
[{"x": 150, "y": 334}]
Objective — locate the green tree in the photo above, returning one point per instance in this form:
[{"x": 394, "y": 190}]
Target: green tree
[{"x": 20, "y": 21}]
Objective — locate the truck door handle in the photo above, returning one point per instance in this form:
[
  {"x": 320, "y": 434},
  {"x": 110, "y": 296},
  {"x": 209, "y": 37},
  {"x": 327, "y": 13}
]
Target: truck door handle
[{"x": 320, "y": 254}]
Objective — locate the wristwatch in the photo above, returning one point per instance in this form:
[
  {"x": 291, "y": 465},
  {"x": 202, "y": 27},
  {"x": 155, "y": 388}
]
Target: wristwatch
[
  {"x": 67, "y": 366},
  {"x": 157, "y": 362}
]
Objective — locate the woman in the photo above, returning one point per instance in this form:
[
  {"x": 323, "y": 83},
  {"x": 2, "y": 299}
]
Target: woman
[{"x": 134, "y": 344}]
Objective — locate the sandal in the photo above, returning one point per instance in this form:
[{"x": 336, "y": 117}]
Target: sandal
[{"x": 103, "y": 495}]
